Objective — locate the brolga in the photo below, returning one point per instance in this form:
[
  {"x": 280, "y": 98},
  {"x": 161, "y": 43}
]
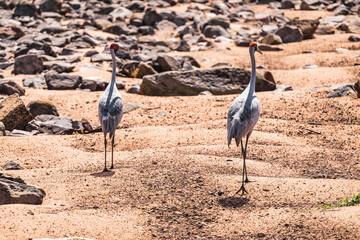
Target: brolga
[
  {"x": 243, "y": 114},
  {"x": 110, "y": 108}
]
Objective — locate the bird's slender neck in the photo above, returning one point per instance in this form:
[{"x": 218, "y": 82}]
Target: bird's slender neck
[
  {"x": 113, "y": 76},
  {"x": 253, "y": 72}
]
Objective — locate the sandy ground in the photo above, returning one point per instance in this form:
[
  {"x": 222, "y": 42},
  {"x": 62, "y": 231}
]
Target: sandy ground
[{"x": 169, "y": 169}]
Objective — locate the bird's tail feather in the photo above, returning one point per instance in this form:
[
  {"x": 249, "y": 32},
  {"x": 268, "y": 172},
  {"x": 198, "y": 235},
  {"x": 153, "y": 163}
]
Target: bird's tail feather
[{"x": 108, "y": 126}]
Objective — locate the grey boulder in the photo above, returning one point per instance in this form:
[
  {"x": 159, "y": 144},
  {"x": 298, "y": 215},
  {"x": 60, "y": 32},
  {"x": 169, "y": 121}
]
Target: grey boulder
[{"x": 218, "y": 81}]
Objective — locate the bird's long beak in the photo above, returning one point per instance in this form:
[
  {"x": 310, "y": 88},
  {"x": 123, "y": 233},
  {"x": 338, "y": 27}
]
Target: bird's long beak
[{"x": 258, "y": 50}]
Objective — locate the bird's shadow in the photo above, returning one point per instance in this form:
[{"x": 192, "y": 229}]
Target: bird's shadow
[
  {"x": 233, "y": 201},
  {"x": 103, "y": 174}
]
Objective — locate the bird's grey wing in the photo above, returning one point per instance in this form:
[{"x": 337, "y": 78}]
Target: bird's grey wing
[
  {"x": 233, "y": 121},
  {"x": 116, "y": 109}
]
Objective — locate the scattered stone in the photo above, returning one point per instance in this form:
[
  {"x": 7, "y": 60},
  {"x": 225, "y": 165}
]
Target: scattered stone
[
  {"x": 205, "y": 93},
  {"x": 21, "y": 133},
  {"x": 342, "y": 90},
  {"x": 218, "y": 81},
  {"x": 168, "y": 63},
  {"x": 310, "y": 66},
  {"x": 89, "y": 67},
  {"x": 91, "y": 53},
  {"x": 151, "y": 17},
  {"x": 42, "y": 107},
  {"x": 28, "y": 64},
  {"x": 11, "y": 177},
  {"x": 135, "y": 88},
  {"x": 13, "y": 113},
  {"x": 307, "y": 27},
  {"x": 51, "y": 124},
  {"x": 12, "y": 192},
  {"x": 283, "y": 88},
  {"x": 11, "y": 165},
  {"x": 266, "y": 47},
  {"x": 9, "y": 87},
  {"x": 311, "y": 5},
  {"x": 215, "y": 31},
  {"x": 287, "y": 4},
  {"x": 55, "y": 81},
  {"x": 159, "y": 114},
  {"x": 2, "y": 129},
  {"x": 271, "y": 39},
  {"x": 34, "y": 82},
  {"x": 357, "y": 88},
  {"x": 59, "y": 67},
  {"x": 353, "y": 38},
  {"x": 11, "y": 32},
  {"x": 90, "y": 84},
  {"x": 129, "y": 107},
  {"x": 341, "y": 50},
  {"x": 25, "y": 9},
  {"x": 290, "y": 34},
  {"x": 101, "y": 57}
]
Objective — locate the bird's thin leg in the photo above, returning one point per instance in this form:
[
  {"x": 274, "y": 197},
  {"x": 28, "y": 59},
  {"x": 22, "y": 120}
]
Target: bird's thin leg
[
  {"x": 105, "y": 143},
  {"x": 112, "y": 151},
  {"x": 242, "y": 189},
  {"x": 245, "y": 150}
]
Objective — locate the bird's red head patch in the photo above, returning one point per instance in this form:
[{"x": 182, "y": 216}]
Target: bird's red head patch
[
  {"x": 114, "y": 46},
  {"x": 253, "y": 45}
]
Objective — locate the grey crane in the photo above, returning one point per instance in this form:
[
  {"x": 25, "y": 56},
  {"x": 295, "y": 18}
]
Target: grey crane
[
  {"x": 243, "y": 115},
  {"x": 110, "y": 108}
]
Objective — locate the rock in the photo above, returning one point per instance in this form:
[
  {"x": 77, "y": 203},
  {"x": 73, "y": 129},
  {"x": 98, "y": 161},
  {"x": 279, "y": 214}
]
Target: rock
[
  {"x": 101, "y": 57},
  {"x": 51, "y": 124},
  {"x": 357, "y": 88},
  {"x": 135, "y": 88},
  {"x": 290, "y": 34},
  {"x": 353, "y": 38},
  {"x": 269, "y": 77},
  {"x": 219, "y": 81},
  {"x": 151, "y": 17},
  {"x": 165, "y": 25},
  {"x": 271, "y": 39},
  {"x": 341, "y": 90},
  {"x": 121, "y": 13},
  {"x": 67, "y": 52},
  {"x": 59, "y": 67},
  {"x": 2, "y": 129},
  {"x": 67, "y": 238},
  {"x": 242, "y": 41},
  {"x": 25, "y": 9},
  {"x": 89, "y": 84},
  {"x": 216, "y": 21},
  {"x": 119, "y": 28},
  {"x": 42, "y": 107},
  {"x": 22, "y": 133},
  {"x": 287, "y": 4},
  {"x": 341, "y": 10},
  {"x": 144, "y": 70},
  {"x": 11, "y": 32},
  {"x": 9, "y": 87},
  {"x": 28, "y": 64},
  {"x": 268, "y": 29},
  {"x": 91, "y": 53},
  {"x": 49, "y": 5},
  {"x": 168, "y": 63},
  {"x": 307, "y": 27},
  {"x": 265, "y": 47},
  {"x": 34, "y": 82},
  {"x": 283, "y": 88},
  {"x": 310, "y": 66},
  {"x": 263, "y": 17},
  {"x": 89, "y": 67},
  {"x": 12, "y": 192},
  {"x": 13, "y": 113},
  {"x": 55, "y": 81},
  {"x": 205, "y": 93},
  {"x": 146, "y": 30},
  {"x": 11, "y": 177},
  {"x": 215, "y": 31},
  {"x": 311, "y": 5},
  {"x": 11, "y": 165},
  {"x": 129, "y": 107}
]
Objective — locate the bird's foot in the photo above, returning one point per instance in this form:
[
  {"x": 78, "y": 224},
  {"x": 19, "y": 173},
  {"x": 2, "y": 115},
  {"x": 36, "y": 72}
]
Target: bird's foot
[
  {"x": 242, "y": 190},
  {"x": 247, "y": 180},
  {"x": 112, "y": 167},
  {"x": 106, "y": 170}
]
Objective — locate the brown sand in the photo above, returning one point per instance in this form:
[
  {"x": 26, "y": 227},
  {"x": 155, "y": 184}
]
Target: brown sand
[{"x": 169, "y": 169}]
